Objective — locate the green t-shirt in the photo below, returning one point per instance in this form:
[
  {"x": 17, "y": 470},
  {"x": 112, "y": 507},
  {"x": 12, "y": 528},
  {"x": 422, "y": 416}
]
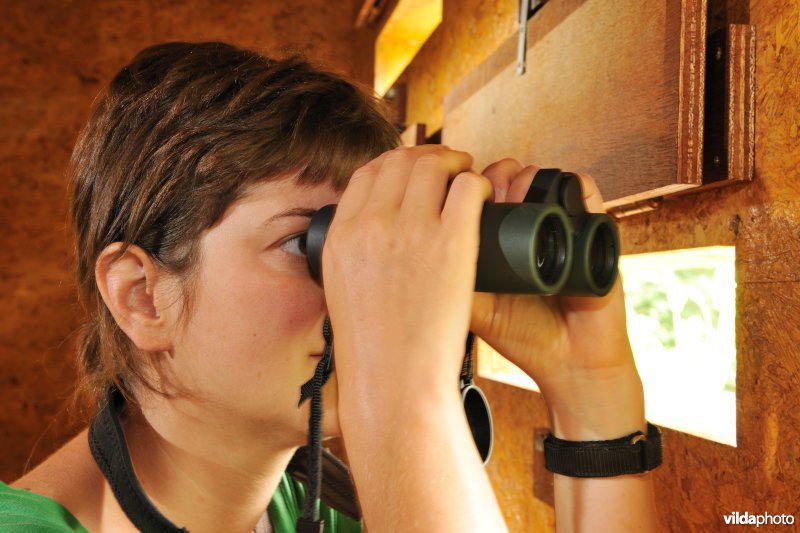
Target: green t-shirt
[{"x": 25, "y": 512}]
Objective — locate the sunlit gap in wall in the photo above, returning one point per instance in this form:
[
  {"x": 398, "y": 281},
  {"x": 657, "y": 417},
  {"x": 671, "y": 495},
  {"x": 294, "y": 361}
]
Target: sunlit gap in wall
[
  {"x": 406, "y": 30},
  {"x": 681, "y": 310}
]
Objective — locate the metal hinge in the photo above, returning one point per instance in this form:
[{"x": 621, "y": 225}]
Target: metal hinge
[{"x": 527, "y": 8}]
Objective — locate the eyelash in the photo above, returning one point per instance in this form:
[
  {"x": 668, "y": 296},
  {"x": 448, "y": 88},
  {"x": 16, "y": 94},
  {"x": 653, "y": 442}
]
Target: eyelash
[{"x": 300, "y": 239}]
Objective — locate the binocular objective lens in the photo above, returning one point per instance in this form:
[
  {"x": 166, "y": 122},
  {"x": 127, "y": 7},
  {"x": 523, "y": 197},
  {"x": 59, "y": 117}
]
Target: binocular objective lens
[{"x": 551, "y": 249}]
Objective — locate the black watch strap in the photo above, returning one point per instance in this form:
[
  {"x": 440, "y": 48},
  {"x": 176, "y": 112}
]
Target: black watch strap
[{"x": 633, "y": 454}]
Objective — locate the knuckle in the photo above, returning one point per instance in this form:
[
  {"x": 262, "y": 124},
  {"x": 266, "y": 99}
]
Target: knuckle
[
  {"x": 430, "y": 160},
  {"x": 361, "y": 173},
  {"x": 401, "y": 154},
  {"x": 532, "y": 169},
  {"x": 507, "y": 165},
  {"x": 471, "y": 180},
  {"x": 473, "y": 184},
  {"x": 353, "y": 239},
  {"x": 467, "y": 156},
  {"x": 506, "y": 162}
]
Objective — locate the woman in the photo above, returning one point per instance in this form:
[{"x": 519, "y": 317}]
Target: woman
[{"x": 193, "y": 183}]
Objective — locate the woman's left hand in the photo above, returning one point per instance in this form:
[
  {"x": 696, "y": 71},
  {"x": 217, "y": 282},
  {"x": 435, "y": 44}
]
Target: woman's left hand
[{"x": 575, "y": 348}]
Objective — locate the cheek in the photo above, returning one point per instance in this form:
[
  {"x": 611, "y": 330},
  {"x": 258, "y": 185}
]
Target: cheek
[
  {"x": 284, "y": 309},
  {"x": 245, "y": 325},
  {"x": 271, "y": 311}
]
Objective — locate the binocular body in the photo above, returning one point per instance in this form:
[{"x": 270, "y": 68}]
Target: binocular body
[{"x": 548, "y": 244}]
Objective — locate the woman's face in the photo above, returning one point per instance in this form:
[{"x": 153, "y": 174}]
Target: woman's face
[{"x": 253, "y": 334}]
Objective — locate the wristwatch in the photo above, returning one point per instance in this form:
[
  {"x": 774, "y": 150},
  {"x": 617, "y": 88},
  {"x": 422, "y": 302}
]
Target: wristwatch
[{"x": 632, "y": 454}]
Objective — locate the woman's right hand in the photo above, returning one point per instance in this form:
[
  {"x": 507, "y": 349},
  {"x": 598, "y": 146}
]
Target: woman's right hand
[{"x": 399, "y": 273}]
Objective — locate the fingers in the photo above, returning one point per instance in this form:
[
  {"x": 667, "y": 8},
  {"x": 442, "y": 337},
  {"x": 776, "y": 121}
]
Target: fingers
[
  {"x": 501, "y": 174},
  {"x": 468, "y": 193},
  {"x": 383, "y": 183},
  {"x": 390, "y": 178},
  {"x": 521, "y": 183},
  {"x": 415, "y": 181},
  {"x": 360, "y": 187},
  {"x": 429, "y": 179},
  {"x": 356, "y": 194},
  {"x": 510, "y": 175},
  {"x": 400, "y": 166},
  {"x": 592, "y": 198}
]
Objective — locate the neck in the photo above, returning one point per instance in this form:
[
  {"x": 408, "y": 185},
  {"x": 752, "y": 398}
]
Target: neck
[{"x": 201, "y": 473}]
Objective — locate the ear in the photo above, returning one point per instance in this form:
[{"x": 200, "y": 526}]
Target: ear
[{"x": 130, "y": 286}]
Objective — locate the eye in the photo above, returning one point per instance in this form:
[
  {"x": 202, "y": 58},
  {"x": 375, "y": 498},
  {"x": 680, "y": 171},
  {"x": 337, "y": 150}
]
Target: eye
[{"x": 295, "y": 245}]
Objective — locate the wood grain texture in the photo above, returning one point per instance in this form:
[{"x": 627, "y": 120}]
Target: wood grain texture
[
  {"x": 741, "y": 80},
  {"x": 692, "y": 60},
  {"x": 516, "y": 412},
  {"x": 617, "y": 93},
  {"x": 470, "y": 31},
  {"x": 54, "y": 59}
]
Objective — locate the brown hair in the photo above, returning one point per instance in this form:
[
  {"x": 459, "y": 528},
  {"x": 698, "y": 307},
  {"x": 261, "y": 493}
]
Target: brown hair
[{"x": 173, "y": 141}]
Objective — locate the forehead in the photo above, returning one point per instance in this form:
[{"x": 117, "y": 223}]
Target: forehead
[{"x": 271, "y": 197}]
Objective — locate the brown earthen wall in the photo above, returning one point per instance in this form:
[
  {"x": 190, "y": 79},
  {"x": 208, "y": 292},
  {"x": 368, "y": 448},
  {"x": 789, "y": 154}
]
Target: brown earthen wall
[
  {"x": 701, "y": 480},
  {"x": 54, "y": 58}
]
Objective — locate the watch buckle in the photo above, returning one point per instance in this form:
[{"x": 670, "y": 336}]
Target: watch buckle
[{"x": 639, "y": 438}]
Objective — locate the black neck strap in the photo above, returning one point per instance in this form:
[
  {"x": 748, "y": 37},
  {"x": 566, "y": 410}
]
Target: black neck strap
[{"x": 107, "y": 443}]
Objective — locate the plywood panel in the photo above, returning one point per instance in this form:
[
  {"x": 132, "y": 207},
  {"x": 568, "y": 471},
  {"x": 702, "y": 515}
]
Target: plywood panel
[{"x": 614, "y": 90}]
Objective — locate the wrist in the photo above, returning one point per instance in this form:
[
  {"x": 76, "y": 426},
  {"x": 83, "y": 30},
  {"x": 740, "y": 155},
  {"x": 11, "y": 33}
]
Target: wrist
[
  {"x": 405, "y": 407},
  {"x": 596, "y": 407}
]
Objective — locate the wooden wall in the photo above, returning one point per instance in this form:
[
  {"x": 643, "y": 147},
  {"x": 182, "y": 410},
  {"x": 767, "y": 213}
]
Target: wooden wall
[
  {"x": 701, "y": 480},
  {"x": 54, "y": 58}
]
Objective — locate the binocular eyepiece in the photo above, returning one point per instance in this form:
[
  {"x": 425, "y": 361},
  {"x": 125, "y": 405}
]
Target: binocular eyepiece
[{"x": 548, "y": 244}]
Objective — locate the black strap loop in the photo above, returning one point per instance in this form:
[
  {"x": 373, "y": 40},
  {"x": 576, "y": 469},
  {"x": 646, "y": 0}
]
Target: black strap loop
[
  {"x": 467, "y": 365},
  {"x": 325, "y": 365},
  {"x": 313, "y": 389}
]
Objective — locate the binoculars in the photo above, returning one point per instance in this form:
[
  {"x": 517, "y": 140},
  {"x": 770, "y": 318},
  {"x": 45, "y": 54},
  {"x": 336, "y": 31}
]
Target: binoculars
[{"x": 548, "y": 244}]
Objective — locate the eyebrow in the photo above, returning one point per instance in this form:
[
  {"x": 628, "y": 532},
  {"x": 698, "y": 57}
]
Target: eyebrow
[{"x": 292, "y": 212}]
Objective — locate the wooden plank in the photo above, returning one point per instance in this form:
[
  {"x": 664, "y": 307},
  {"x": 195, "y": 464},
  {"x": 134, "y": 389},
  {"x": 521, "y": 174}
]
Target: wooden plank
[
  {"x": 741, "y": 101},
  {"x": 413, "y": 135},
  {"x": 611, "y": 89},
  {"x": 692, "y": 60},
  {"x": 729, "y": 122}
]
